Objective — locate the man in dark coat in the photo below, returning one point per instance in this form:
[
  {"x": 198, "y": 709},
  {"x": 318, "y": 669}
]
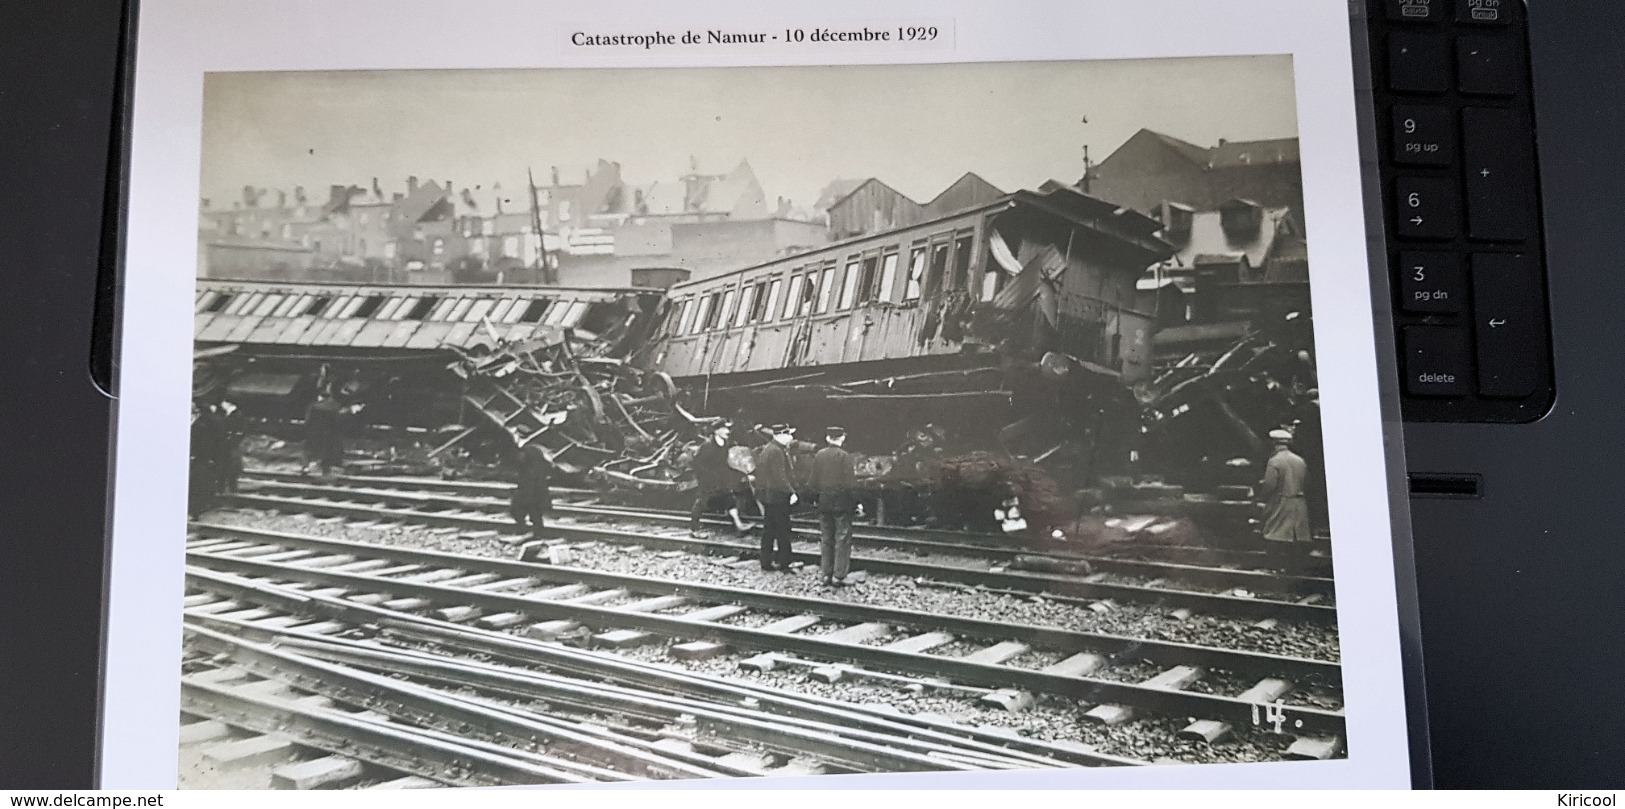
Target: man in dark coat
[
  {"x": 324, "y": 447},
  {"x": 776, "y": 489},
  {"x": 231, "y": 446},
  {"x": 834, "y": 477},
  {"x": 1286, "y": 514},
  {"x": 718, "y": 482},
  {"x": 204, "y": 483},
  {"x": 532, "y": 493}
]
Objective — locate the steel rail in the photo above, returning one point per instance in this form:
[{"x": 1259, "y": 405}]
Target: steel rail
[
  {"x": 410, "y": 751},
  {"x": 907, "y": 541},
  {"x": 1055, "y": 586},
  {"x": 1088, "y": 689},
  {"x": 709, "y": 690},
  {"x": 1051, "y": 638},
  {"x": 604, "y": 759}
]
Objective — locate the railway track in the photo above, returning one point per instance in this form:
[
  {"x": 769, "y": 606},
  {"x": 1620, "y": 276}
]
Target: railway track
[
  {"x": 1253, "y": 594},
  {"x": 1315, "y": 563},
  {"x": 489, "y": 605}
]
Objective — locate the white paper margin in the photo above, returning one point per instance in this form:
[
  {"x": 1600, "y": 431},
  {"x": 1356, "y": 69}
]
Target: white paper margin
[{"x": 181, "y": 39}]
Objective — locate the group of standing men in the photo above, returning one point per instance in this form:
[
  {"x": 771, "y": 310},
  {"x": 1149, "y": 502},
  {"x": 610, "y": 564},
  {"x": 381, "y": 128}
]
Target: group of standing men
[{"x": 775, "y": 481}]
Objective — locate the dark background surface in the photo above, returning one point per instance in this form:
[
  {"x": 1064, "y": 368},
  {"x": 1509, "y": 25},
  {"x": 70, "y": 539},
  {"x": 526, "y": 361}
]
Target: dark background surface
[
  {"x": 1522, "y": 592},
  {"x": 58, "y": 70}
]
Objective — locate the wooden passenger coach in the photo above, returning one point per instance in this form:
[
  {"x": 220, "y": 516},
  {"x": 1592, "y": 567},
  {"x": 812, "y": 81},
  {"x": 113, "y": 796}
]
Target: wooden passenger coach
[
  {"x": 382, "y": 318},
  {"x": 961, "y": 284}
]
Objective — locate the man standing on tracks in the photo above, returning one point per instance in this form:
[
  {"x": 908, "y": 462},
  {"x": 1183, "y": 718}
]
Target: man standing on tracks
[
  {"x": 775, "y": 487},
  {"x": 324, "y": 447},
  {"x": 718, "y": 482},
  {"x": 1286, "y": 512},
  {"x": 532, "y": 492},
  {"x": 834, "y": 476}
]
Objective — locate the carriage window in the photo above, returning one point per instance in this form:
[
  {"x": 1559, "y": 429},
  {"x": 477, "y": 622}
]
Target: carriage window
[
  {"x": 520, "y": 310},
  {"x": 244, "y": 302},
  {"x": 556, "y": 313},
  {"x": 478, "y": 310},
  {"x": 826, "y": 288},
  {"x": 888, "y": 277},
  {"x": 419, "y": 310},
  {"x": 760, "y": 303},
  {"x": 703, "y": 320},
  {"x": 210, "y": 302},
  {"x": 747, "y": 303},
  {"x": 318, "y": 306},
  {"x": 367, "y": 306},
  {"x": 286, "y": 306},
  {"x": 300, "y": 306},
  {"x": 962, "y": 253},
  {"x": 772, "y": 306},
  {"x": 533, "y": 311},
  {"x": 460, "y": 309},
  {"x": 500, "y": 311},
  {"x": 442, "y": 308},
  {"x": 388, "y": 310},
  {"x": 793, "y": 302},
  {"x": 849, "y": 285},
  {"x": 916, "y": 274},
  {"x": 576, "y": 312},
  {"x": 939, "y": 268},
  {"x": 726, "y": 309},
  {"x": 871, "y": 277},
  {"x": 267, "y": 305}
]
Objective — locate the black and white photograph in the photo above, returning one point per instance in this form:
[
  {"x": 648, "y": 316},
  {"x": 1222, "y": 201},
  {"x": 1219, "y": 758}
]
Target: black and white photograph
[{"x": 559, "y": 426}]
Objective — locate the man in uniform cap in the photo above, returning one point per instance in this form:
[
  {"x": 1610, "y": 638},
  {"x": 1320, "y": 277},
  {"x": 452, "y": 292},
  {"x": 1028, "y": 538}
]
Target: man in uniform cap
[
  {"x": 775, "y": 487},
  {"x": 718, "y": 482},
  {"x": 1286, "y": 512},
  {"x": 532, "y": 496},
  {"x": 834, "y": 475}
]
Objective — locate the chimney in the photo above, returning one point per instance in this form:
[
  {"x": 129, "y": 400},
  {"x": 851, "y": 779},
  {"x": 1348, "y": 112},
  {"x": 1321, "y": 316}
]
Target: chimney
[
  {"x": 1241, "y": 220},
  {"x": 447, "y": 188},
  {"x": 555, "y": 176},
  {"x": 1223, "y": 142},
  {"x": 337, "y": 197},
  {"x": 281, "y": 199},
  {"x": 377, "y": 190},
  {"x": 251, "y": 198},
  {"x": 299, "y": 194},
  {"x": 411, "y": 185}
]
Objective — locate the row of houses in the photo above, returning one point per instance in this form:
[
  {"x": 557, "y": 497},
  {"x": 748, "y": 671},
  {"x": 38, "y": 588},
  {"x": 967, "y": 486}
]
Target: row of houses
[{"x": 1232, "y": 212}]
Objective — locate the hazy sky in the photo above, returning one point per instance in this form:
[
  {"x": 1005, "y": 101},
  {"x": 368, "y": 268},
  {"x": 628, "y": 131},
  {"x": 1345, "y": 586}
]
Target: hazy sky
[{"x": 917, "y": 127}]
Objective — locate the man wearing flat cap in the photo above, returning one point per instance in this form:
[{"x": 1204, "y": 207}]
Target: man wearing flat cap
[
  {"x": 775, "y": 487},
  {"x": 834, "y": 474},
  {"x": 1286, "y": 512}
]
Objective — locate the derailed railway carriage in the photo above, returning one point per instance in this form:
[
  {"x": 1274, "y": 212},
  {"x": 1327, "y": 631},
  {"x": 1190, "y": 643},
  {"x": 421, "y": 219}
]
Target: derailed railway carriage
[{"x": 1012, "y": 324}]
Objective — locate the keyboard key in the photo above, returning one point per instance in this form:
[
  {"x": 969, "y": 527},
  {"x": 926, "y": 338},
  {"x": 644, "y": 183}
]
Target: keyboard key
[
  {"x": 1509, "y": 303},
  {"x": 1427, "y": 208},
  {"x": 1437, "y": 361},
  {"x": 1498, "y": 154},
  {"x": 1485, "y": 12},
  {"x": 1418, "y": 63},
  {"x": 1432, "y": 283},
  {"x": 1424, "y": 136},
  {"x": 1489, "y": 65},
  {"x": 1418, "y": 10}
]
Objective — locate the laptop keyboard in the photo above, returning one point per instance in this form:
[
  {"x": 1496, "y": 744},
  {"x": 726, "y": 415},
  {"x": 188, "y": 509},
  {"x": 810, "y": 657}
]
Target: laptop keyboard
[{"x": 1452, "y": 87}]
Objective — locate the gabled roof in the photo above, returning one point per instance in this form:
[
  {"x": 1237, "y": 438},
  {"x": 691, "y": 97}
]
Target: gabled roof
[
  {"x": 967, "y": 191},
  {"x": 836, "y": 191},
  {"x": 1256, "y": 152},
  {"x": 1190, "y": 151},
  {"x": 415, "y": 206}
]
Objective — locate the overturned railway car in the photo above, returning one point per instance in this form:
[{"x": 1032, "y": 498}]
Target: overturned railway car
[
  {"x": 273, "y": 347},
  {"x": 1011, "y": 326}
]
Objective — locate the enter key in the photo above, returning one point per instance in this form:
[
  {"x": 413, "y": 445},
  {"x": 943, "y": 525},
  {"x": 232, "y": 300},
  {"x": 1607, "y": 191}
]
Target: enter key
[{"x": 1509, "y": 304}]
